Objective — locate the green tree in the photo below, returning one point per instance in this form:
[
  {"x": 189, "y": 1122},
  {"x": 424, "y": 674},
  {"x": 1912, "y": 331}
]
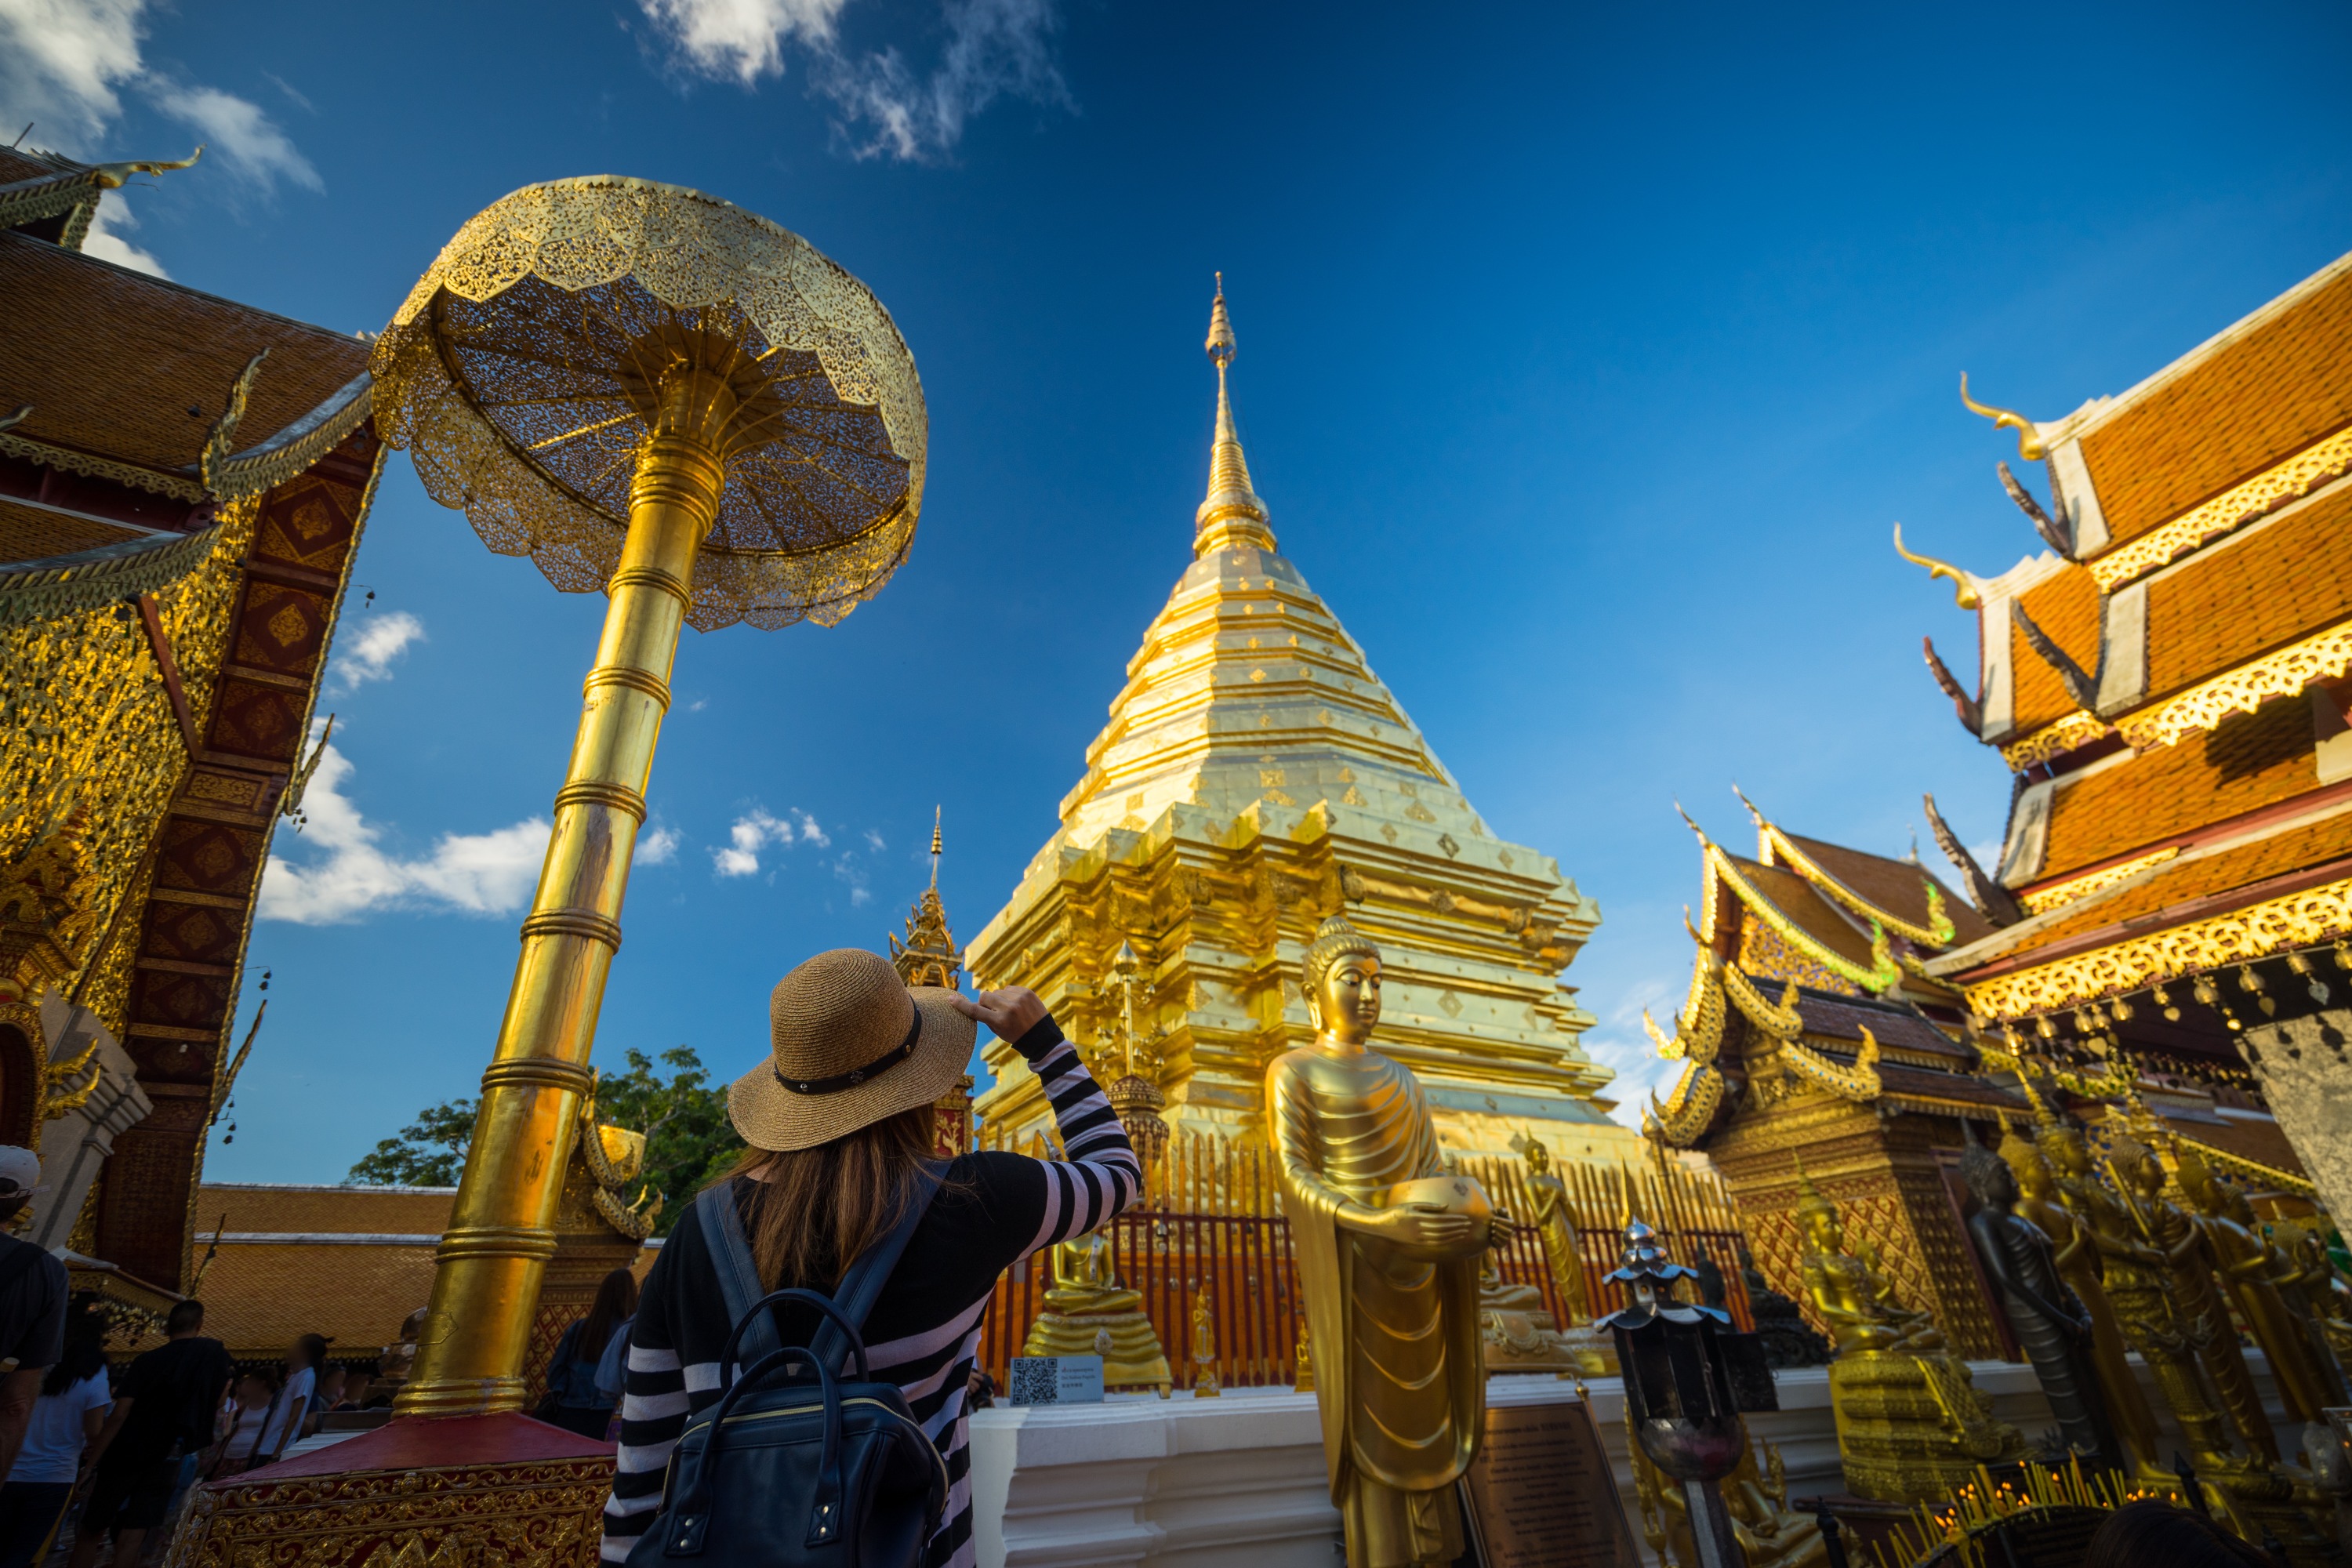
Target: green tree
[
  {"x": 429, "y": 1151},
  {"x": 689, "y": 1139}
]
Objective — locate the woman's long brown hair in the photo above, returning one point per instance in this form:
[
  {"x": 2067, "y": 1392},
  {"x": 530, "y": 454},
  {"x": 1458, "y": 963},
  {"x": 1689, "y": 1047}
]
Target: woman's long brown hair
[{"x": 812, "y": 1211}]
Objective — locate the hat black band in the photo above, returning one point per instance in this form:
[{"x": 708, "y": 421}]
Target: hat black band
[{"x": 851, "y": 1080}]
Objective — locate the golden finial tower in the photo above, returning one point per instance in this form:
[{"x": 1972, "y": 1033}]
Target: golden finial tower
[{"x": 1255, "y": 777}]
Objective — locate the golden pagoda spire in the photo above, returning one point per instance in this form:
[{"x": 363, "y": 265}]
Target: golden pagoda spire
[
  {"x": 1232, "y": 514},
  {"x": 935, "y": 845}
]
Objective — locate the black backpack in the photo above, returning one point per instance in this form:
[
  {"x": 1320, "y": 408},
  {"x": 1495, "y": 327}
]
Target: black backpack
[{"x": 794, "y": 1466}]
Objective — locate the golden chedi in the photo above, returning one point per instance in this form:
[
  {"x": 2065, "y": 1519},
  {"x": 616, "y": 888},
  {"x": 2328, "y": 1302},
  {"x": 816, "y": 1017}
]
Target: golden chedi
[
  {"x": 1387, "y": 1245},
  {"x": 1086, "y": 1302},
  {"x": 1911, "y": 1426}
]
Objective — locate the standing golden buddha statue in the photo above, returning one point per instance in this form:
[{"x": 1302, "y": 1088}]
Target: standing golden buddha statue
[
  {"x": 2199, "y": 1313},
  {"x": 2252, "y": 1271},
  {"x": 2078, "y": 1263},
  {"x": 1911, "y": 1426},
  {"x": 1555, "y": 1224},
  {"x": 1387, "y": 1244}
]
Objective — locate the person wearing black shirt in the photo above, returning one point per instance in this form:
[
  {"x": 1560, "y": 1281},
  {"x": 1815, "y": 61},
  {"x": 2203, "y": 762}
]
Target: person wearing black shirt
[
  {"x": 33, "y": 1290},
  {"x": 164, "y": 1408}
]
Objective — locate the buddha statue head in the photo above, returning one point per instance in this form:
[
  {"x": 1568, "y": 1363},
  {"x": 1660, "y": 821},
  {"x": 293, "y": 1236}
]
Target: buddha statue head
[
  {"x": 1342, "y": 974},
  {"x": 1538, "y": 1157},
  {"x": 2135, "y": 1163},
  {"x": 2197, "y": 1184},
  {"x": 2062, "y": 1144},
  {"x": 1817, "y": 1218},
  {"x": 2025, "y": 1163},
  {"x": 1990, "y": 1180}
]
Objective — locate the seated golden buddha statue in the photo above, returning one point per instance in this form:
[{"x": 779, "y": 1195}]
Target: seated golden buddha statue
[
  {"x": 1911, "y": 1425},
  {"x": 1087, "y": 1301},
  {"x": 1517, "y": 1332},
  {"x": 1770, "y": 1535}
]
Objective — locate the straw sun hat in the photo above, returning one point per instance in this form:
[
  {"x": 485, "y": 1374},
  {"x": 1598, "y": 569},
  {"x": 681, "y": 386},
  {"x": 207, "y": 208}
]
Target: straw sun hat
[{"x": 850, "y": 1043}]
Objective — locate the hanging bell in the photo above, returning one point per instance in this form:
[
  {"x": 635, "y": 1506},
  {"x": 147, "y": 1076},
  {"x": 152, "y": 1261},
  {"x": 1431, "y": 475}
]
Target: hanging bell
[
  {"x": 2121, "y": 1009},
  {"x": 2300, "y": 964},
  {"x": 2164, "y": 1000}
]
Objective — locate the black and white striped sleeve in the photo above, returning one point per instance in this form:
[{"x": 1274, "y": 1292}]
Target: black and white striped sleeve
[
  {"x": 1099, "y": 1175},
  {"x": 655, "y": 1403}
]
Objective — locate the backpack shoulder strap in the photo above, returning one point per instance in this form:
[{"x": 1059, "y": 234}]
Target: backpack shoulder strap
[
  {"x": 738, "y": 1273},
  {"x": 861, "y": 1287}
]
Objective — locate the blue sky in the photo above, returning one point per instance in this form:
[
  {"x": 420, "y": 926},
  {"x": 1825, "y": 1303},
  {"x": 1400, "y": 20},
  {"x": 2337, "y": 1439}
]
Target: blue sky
[{"x": 1587, "y": 355}]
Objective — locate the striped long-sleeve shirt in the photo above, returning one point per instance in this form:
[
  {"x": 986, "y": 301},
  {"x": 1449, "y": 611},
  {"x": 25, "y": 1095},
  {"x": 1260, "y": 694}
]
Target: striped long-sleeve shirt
[{"x": 994, "y": 1210}]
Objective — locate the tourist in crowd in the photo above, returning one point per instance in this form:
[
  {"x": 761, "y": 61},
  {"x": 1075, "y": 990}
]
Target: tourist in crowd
[
  {"x": 33, "y": 1292},
  {"x": 832, "y": 1169},
  {"x": 289, "y": 1407},
  {"x": 239, "y": 1426},
  {"x": 163, "y": 1410},
  {"x": 356, "y": 1391},
  {"x": 573, "y": 1401},
  {"x": 66, "y": 1418},
  {"x": 329, "y": 1397}
]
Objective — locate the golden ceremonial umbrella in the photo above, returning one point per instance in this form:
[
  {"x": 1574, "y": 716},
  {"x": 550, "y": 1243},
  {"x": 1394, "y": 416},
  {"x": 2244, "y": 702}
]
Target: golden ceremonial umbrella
[{"x": 654, "y": 393}]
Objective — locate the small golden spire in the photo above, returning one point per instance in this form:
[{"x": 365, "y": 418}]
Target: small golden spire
[
  {"x": 1232, "y": 514},
  {"x": 935, "y": 848},
  {"x": 1964, "y": 587},
  {"x": 2029, "y": 435}
]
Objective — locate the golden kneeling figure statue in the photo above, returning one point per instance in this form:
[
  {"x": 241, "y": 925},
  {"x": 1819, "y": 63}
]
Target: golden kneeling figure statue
[
  {"x": 1086, "y": 1302},
  {"x": 1911, "y": 1426},
  {"x": 1388, "y": 1244}
]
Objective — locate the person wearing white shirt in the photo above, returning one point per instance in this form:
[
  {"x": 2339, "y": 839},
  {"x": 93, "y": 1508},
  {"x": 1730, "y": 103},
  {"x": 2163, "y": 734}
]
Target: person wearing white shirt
[{"x": 73, "y": 1402}]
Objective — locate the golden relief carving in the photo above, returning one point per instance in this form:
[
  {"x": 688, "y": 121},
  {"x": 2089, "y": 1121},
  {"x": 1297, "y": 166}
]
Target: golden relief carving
[
  {"x": 542, "y": 1514},
  {"x": 2055, "y": 740},
  {"x": 2298, "y": 476},
  {"x": 2322, "y": 656},
  {"x": 2059, "y": 894},
  {"x": 2294, "y": 920}
]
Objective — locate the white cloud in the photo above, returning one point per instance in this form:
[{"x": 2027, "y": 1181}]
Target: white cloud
[
  {"x": 105, "y": 239},
  {"x": 756, "y": 830},
  {"x": 60, "y": 63},
  {"x": 63, "y": 66},
  {"x": 348, "y": 876},
  {"x": 368, "y": 654},
  {"x": 237, "y": 132},
  {"x": 743, "y": 39},
  {"x": 658, "y": 847},
  {"x": 994, "y": 48},
  {"x": 1622, "y": 1045},
  {"x": 873, "y": 841}
]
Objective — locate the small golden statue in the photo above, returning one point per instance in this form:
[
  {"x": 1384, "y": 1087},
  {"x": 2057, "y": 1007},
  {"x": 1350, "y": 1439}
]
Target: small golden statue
[
  {"x": 1302, "y": 1362},
  {"x": 1387, "y": 1242},
  {"x": 1770, "y": 1535},
  {"x": 1516, "y": 1330},
  {"x": 1555, "y": 1223},
  {"x": 1085, "y": 1303},
  {"x": 1911, "y": 1426},
  {"x": 1205, "y": 1346}
]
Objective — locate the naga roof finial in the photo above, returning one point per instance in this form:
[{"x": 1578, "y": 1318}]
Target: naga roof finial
[
  {"x": 2029, "y": 435},
  {"x": 1964, "y": 587}
]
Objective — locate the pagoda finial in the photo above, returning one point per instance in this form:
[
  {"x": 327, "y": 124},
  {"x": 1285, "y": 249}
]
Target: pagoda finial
[
  {"x": 935, "y": 848},
  {"x": 929, "y": 955},
  {"x": 1232, "y": 514}
]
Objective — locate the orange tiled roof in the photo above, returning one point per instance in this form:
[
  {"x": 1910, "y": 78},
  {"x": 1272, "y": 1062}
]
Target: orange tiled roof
[
  {"x": 2229, "y": 604},
  {"x": 1898, "y": 887},
  {"x": 260, "y": 1296},
  {"x": 2066, "y": 606},
  {"x": 2248, "y": 1138},
  {"x": 2268, "y": 392},
  {"x": 1795, "y": 898},
  {"x": 2182, "y": 881},
  {"x": 30, "y": 533},
  {"x": 2247, "y": 762},
  {"x": 112, "y": 361}
]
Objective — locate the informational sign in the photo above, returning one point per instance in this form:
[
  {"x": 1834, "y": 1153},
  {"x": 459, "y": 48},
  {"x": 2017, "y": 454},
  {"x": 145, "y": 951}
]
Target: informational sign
[
  {"x": 1056, "y": 1380},
  {"x": 1541, "y": 1494}
]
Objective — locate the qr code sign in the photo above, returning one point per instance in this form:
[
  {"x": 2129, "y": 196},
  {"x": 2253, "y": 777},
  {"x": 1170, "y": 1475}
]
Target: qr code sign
[{"x": 1036, "y": 1380}]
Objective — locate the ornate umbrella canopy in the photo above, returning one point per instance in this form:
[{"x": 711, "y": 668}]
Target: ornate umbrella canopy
[{"x": 520, "y": 370}]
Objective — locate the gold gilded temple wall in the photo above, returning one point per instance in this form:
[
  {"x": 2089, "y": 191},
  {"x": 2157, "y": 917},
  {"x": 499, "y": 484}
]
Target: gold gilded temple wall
[
  {"x": 1888, "y": 1177},
  {"x": 1220, "y": 909}
]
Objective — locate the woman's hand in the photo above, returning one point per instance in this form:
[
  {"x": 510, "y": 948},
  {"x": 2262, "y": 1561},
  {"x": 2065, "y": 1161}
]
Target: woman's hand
[{"x": 1009, "y": 1014}]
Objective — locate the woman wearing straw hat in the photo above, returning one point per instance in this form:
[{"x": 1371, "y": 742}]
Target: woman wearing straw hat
[{"x": 839, "y": 1123}]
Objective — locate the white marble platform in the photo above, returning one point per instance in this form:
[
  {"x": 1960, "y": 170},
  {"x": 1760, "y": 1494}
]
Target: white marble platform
[{"x": 1238, "y": 1481}]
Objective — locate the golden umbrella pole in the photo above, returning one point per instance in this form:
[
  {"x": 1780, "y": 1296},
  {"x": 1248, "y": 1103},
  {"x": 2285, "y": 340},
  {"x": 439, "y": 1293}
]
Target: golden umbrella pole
[{"x": 690, "y": 402}]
